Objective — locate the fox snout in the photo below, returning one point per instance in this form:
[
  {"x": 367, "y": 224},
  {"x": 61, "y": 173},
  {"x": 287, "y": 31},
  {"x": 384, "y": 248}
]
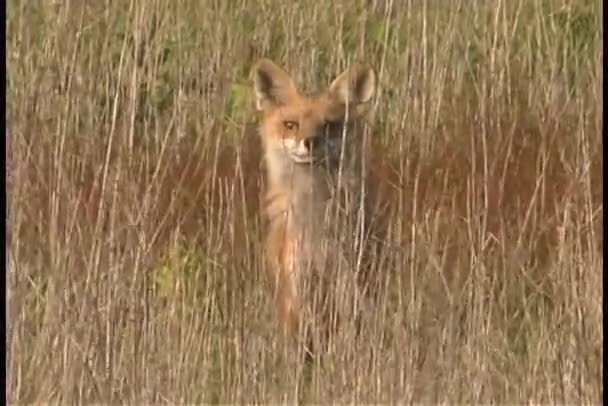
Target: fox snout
[
  {"x": 299, "y": 150},
  {"x": 319, "y": 148}
]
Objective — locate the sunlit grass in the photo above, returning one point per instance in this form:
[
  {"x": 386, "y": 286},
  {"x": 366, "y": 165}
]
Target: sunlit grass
[{"x": 138, "y": 274}]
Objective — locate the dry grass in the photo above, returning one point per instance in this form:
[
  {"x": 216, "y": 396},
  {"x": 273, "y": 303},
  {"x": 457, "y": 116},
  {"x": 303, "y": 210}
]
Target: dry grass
[{"x": 136, "y": 271}]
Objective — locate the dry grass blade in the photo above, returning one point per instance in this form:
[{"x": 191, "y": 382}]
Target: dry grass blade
[{"x": 136, "y": 271}]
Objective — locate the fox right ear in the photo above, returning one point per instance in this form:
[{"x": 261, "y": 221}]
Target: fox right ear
[
  {"x": 272, "y": 85},
  {"x": 355, "y": 86}
]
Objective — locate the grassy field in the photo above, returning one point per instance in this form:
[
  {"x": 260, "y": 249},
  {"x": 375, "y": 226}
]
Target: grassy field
[{"x": 135, "y": 242}]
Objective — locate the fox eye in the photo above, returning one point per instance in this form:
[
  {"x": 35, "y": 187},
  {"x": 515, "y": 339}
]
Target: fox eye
[{"x": 290, "y": 125}]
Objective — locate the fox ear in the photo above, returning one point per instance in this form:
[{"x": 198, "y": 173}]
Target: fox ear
[
  {"x": 272, "y": 85},
  {"x": 354, "y": 86}
]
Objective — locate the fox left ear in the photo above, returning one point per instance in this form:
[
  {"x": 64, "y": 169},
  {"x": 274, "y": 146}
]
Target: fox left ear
[
  {"x": 354, "y": 86},
  {"x": 272, "y": 85}
]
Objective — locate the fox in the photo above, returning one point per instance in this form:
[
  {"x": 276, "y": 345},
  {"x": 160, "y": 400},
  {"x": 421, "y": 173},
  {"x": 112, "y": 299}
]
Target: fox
[{"x": 314, "y": 199}]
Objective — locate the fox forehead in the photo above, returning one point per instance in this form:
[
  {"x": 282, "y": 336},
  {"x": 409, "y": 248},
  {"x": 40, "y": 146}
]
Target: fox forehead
[{"x": 307, "y": 109}]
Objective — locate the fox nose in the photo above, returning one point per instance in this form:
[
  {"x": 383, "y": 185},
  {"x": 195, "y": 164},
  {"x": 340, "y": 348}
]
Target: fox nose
[{"x": 308, "y": 144}]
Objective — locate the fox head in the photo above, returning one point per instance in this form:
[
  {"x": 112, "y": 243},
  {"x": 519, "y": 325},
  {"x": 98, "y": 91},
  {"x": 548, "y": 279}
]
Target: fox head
[{"x": 302, "y": 129}]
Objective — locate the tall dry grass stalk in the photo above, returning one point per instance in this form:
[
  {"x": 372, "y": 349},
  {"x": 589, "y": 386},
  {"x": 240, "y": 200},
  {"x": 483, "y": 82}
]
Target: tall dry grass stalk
[{"x": 137, "y": 269}]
